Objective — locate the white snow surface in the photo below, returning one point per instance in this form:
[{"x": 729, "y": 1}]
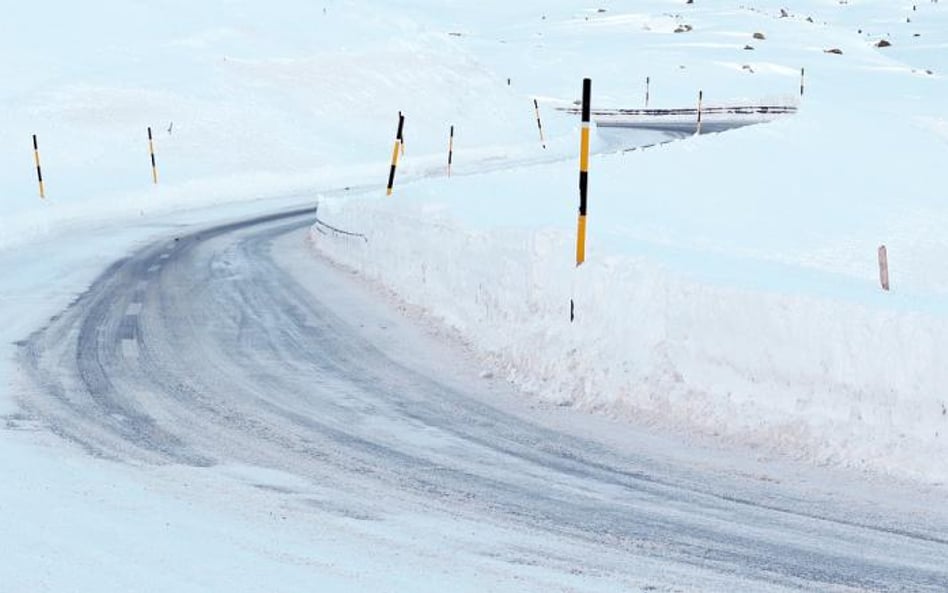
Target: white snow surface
[{"x": 730, "y": 288}]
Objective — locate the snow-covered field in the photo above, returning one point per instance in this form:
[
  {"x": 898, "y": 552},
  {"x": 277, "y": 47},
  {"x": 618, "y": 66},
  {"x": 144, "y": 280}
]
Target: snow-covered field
[{"x": 730, "y": 291}]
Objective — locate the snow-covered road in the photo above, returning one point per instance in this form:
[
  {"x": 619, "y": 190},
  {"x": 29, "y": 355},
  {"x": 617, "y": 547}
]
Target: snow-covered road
[{"x": 233, "y": 345}]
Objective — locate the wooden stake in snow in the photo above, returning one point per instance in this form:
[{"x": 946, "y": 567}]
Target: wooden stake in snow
[
  {"x": 39, "y": 170},
  {"x": 700, "y": 101},
  {"x": 883, "y": 267},
  {"x": 450, "y": 149},
  {"x": 151, "y": 151},
  {"x": 398, "y": 142},
  {"x": 536, "y": 108}
]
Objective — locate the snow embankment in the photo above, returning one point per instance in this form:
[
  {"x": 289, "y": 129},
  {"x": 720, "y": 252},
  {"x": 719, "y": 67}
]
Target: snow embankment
[{"x": 725, "y": 292}]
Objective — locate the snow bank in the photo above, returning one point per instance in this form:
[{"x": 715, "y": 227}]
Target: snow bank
[{"x": 823, "y": 378}]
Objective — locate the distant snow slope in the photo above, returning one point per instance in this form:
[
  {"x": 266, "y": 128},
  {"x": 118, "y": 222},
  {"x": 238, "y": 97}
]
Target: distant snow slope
[
  {"x": 731, "y": 285},
  {"x": 247, "y": 100}
]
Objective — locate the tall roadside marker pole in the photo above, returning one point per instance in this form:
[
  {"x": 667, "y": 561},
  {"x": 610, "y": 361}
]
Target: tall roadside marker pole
[
  {"x": 583, "y": 174},
  {"x": 536, "y": 108},
  {"x": 151, "y": 151},
  {"x": 648, "y": 85},
  {"x": 39, "y": 170},
  {"x": 450, "y": 149},
  {"x": 802, "y": 76},
  {"x": 583, "y": 182},
  {"x": 398, "y": 141}
]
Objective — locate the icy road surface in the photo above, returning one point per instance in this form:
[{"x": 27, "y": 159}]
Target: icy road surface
[{"x": 230, "y": 346}]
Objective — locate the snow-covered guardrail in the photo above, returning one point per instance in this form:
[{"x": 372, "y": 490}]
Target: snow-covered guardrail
[{"x": 714, "y": 118}]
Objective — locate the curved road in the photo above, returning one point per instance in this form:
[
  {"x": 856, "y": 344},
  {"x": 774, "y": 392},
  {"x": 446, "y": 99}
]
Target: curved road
[{"x": 209, "y": 348}]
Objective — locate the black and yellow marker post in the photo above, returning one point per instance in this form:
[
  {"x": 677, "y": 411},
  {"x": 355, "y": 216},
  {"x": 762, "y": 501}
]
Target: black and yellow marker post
[
  {"x": 398, "y": 141},
  {"x": 700, "y": 101},
  {"x": 39, "y": 170},
  {"x": 536, "y": 109},
  {"x": 583, "y": 173},
  {"x": 151, "y": 151},
  {"x": 450, "y": 149}
]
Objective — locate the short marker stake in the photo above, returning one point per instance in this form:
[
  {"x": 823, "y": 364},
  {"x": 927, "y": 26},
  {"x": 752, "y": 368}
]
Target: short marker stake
[
  {"x": 450, "y": 149},
  {"x": 398, "y": 141},
  {"x": 700, "y": 100},
  {"x": 536, "y": 108},
  {"x": 39, "y": 170},
  {"x": 151, "y": 151},
  {"x": 883, "y": 267}
]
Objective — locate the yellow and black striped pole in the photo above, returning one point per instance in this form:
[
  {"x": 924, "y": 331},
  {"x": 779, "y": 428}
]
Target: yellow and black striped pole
[
  {"x": 151, "y": 151},
  {"x": 583, "y": 173},
  {"x": 536, "y": 108},
  {"x": 398, "y": 141},
  {"x": 450, "y": 149},
  {"x": 700, "y": 100},
  {"x": 39, "y": 170}
]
